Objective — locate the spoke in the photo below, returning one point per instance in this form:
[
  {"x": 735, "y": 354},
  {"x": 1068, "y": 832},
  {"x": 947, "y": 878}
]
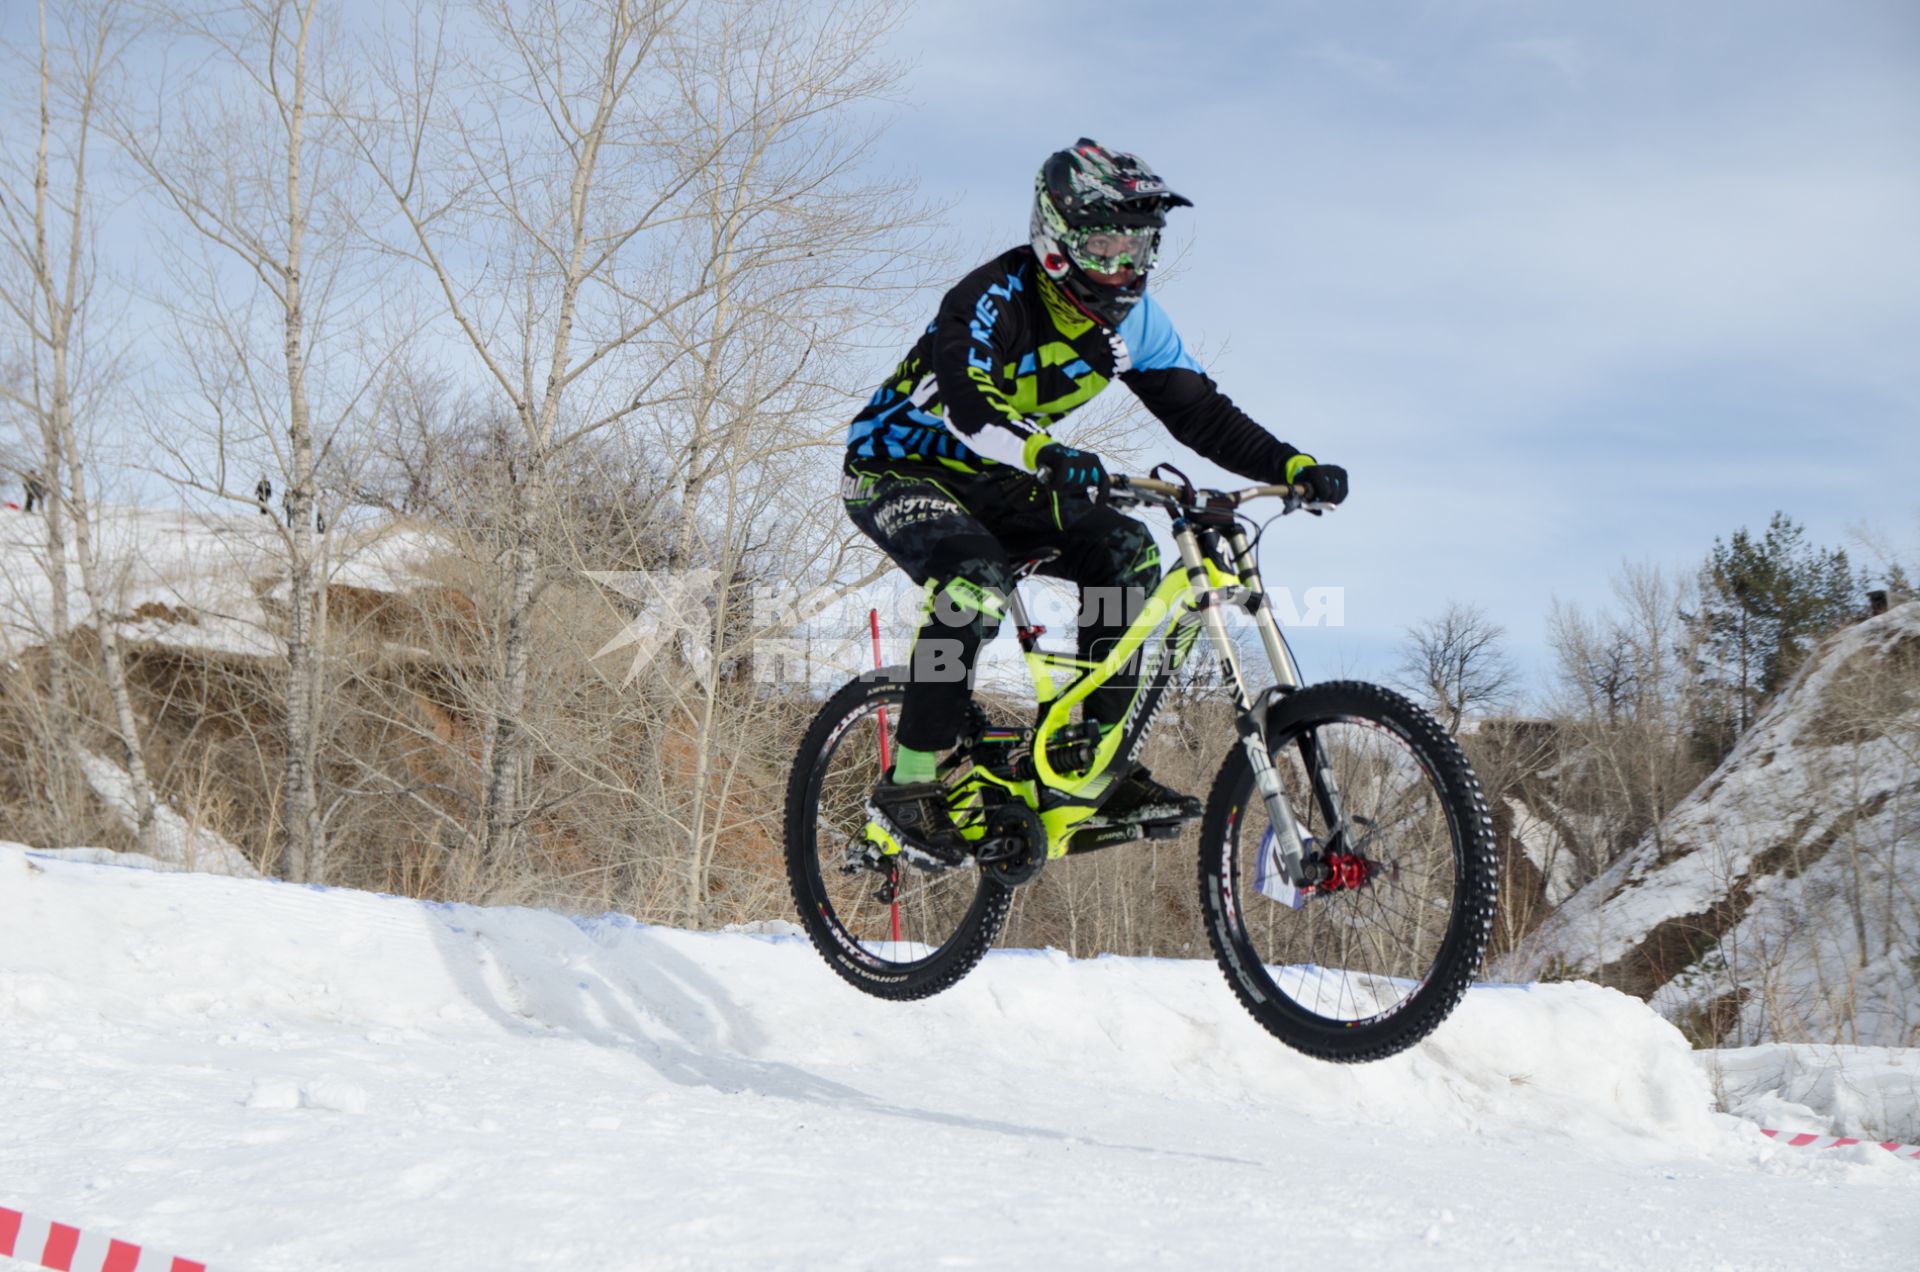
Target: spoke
[
  {"x": 1355, "y": 953},
  {"x": 930, "y": 906}
]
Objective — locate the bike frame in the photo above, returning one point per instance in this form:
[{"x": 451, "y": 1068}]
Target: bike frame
[{"x": 1217, "y": 572}]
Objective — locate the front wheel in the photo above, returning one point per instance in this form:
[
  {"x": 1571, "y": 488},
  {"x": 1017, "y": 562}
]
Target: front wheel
[
  {"x": 886, "y": 927},
  {"x": 1375, "y": 954}
]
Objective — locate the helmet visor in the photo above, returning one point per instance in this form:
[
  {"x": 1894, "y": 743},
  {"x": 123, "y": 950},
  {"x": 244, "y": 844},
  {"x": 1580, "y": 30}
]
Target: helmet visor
[{"x": 1105, "y": 251}]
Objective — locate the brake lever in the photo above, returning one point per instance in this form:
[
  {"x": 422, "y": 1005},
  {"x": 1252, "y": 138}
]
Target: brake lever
[{"x": 1187, "y": 493}]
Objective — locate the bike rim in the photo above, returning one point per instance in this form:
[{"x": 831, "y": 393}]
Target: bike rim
[
  {"x": 931, "y": 906},
  {"x": 1351, "y": 955}
]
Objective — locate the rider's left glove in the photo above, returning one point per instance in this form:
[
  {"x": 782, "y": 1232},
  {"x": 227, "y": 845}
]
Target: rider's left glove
[
  {"x": 1326, "y": 483},
  {"x": 1065, "y": 470}
]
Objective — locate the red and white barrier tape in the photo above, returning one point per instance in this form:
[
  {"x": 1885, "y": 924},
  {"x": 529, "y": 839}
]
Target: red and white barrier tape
[
  {"x": 1805, "y": 1139},
  {"x": 66, "y": 1248}
]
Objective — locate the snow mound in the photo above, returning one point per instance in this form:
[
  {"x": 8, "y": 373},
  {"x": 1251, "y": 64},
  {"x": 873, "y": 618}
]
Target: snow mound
[
  {"x": 734, "y": 1010},
  {"x": 1863, "y": 1092}
]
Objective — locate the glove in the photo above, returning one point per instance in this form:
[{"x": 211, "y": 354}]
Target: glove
[
  {"x": 1326, "y": 483},
  {"x": 1066, "y": 471}
]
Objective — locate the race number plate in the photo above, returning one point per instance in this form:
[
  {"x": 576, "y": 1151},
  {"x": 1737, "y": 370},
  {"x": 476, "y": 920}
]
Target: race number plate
[{"x": 1269, "y": 880}]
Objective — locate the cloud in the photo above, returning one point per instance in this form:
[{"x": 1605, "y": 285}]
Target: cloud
[
  {"x": 1556, "y": 296},
  {"x": 1372, "y": 72},
  {"x": 1563, "y": 55}
]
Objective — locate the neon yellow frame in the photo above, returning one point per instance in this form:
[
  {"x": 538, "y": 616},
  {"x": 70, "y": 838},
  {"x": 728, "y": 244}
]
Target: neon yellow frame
[{"x": 1173, "y": 602}]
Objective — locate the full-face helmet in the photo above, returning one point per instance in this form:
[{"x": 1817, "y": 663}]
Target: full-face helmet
[{"x": 1098, "y": 211}]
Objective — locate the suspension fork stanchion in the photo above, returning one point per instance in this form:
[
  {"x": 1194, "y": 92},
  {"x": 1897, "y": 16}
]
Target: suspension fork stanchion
[
  {"x": 886, "y": 762},
  {"x": 1253, "y": 734},
  {"x": 1286, "y": 674}
]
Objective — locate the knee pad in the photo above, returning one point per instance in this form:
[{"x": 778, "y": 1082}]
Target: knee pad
[
  {"x": 969, "y": 584},
  {"x": 974, "y": 597}
]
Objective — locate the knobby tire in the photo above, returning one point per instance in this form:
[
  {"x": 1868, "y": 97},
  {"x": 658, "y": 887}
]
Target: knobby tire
[
  {"x": 1282, "y": 964},
  {"x": 846, "y": 940}
]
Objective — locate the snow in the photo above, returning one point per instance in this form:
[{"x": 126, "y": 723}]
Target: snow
[
  {"x": 180, "y": 843},
  {"x": 1544, "y": 847},
  {"x": 192, "y": 580},
  {"x": 1863, "y": 1092},
  {"x": 270, "y": 1076}
]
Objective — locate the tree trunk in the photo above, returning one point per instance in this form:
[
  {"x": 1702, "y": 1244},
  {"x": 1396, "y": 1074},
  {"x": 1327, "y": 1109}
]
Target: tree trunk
[
  {"x": 125, "y": 722},
  {"x": 301, "y": 853},
  {"x": 62, "y": 441},
  {"x": 507, "y": 758},
  {"x": 58, "y": 720}
]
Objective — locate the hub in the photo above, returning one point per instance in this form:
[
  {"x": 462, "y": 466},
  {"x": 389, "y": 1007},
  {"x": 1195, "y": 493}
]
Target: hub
[{"x": 1344, "y": 872}]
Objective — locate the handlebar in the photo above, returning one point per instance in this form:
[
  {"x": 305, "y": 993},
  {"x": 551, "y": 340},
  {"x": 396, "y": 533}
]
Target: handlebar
[{"x": 1190, "y": 497}]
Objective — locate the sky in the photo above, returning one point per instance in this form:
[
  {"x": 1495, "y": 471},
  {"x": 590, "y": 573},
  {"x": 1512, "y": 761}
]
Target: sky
[{"x": 1560, "y": 284}]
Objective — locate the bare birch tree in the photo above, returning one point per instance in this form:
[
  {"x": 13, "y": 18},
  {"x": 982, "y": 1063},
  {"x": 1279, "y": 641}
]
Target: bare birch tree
[
  {"x": 240, "y": 152},
  {"x": 586, "y": 186},
  {"x": 1625, "y": 687},
  {"x": 792, "y": 255},
  {"x": 49, "y": 235}
]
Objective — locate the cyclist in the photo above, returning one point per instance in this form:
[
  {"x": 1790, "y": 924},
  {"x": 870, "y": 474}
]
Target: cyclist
[{"x": 952, "y": 468}]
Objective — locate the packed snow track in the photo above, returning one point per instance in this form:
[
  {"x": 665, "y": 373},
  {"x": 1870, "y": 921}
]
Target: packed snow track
[{"x": 273, "y": 1077}]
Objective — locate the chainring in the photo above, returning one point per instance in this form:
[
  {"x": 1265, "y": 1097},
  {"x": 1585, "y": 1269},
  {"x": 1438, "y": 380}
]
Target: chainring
[{"x": 1015, "y": 846}]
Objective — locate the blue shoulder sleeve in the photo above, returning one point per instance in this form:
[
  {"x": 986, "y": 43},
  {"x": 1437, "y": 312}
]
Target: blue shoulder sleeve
[{"x": 1151, "y": 340}]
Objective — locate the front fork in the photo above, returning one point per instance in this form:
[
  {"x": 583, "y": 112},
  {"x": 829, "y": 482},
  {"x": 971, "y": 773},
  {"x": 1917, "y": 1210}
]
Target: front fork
[{"x": 1251, "y": 721}]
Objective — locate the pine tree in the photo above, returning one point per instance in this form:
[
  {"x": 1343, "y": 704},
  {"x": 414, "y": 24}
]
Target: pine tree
[
  {"x": 1899, "y": 587},
  {"x": 1763, "y": 601}
]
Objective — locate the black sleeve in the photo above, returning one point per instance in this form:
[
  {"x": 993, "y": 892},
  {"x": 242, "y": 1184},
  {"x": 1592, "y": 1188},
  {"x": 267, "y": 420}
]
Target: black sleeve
[
  {"x": 977, "y": 336},
  {"x": 1200, "y": 416}
]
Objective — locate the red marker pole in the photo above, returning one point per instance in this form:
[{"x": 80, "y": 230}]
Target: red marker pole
[
  {"x": 873, "y": 621},
  {"x": 886, "y": 760}
]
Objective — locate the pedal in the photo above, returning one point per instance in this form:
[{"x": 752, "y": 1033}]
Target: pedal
[{"x": 1098, "y": 835}]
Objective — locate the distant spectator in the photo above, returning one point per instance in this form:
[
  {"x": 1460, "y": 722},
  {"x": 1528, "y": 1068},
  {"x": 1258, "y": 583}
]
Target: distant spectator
[
  {"x": 263, "y": 496},
  {"x": 36, "y": 487}
]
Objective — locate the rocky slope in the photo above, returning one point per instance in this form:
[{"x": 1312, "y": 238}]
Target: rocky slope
[{"x": 1780, "y": 901}]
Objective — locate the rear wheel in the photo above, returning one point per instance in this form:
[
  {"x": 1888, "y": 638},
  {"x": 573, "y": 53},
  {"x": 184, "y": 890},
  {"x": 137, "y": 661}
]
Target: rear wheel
[
  {"x": 1369, "y": 961},
  {"x": 886, "y": 927}
]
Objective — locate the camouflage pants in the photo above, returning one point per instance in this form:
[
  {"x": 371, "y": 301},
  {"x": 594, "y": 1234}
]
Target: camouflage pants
[{"x": 958, "y": 535}]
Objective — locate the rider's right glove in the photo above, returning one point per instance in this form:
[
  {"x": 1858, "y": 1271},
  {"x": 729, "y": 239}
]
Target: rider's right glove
[
  {"x": 1326, "y": 483},
  {"x": 1067, "y": 471}
]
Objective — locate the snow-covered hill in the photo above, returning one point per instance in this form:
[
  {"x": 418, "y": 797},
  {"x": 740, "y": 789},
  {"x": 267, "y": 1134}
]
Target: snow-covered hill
[
  {"x": 1779, "y": 901},
  {"x": 276, "y": 1077},
  {"x": 191, "y": 580}
]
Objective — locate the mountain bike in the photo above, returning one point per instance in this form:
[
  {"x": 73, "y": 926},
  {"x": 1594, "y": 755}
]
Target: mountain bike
[{"x": 1346, "y": 869}]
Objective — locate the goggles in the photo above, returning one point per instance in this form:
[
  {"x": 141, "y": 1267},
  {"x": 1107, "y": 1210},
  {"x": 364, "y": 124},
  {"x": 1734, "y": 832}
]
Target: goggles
[{"x": 1104, "y": 251}]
